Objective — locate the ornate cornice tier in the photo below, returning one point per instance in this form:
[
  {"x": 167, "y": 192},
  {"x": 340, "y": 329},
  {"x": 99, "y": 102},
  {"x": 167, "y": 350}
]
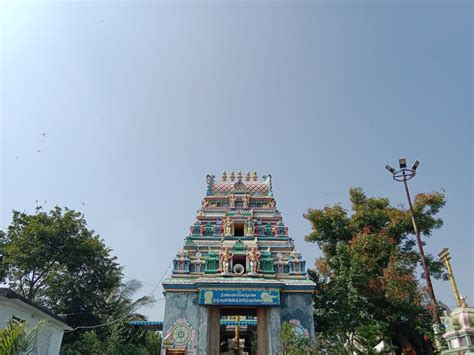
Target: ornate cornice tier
[{"x": 239, "y": 224}]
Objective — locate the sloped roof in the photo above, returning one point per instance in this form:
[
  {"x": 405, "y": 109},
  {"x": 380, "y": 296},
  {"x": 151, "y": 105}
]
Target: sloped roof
[{"x": 12, "y": 295}]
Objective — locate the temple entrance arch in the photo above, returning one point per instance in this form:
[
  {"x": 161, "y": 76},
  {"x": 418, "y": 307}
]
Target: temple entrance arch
[{"x": 238, "y": 330}]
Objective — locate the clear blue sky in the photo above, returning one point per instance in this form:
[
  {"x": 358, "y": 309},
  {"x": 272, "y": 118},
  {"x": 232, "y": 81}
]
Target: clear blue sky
[{"x": 140, "y": 100}]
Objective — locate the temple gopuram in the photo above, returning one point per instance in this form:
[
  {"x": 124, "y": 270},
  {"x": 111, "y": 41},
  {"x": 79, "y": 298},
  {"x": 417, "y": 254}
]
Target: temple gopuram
[{"x": 238, "y": 276}]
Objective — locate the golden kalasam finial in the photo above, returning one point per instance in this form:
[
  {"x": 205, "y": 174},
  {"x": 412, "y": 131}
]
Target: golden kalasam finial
[
  {"x": 232, "y": 176},
  {"x": 445, "y": 258},
  {"x": 247, "y": 176},
  {"x": 224, "y": 176},
  {"x": 239, "y": 176},
  {"x": 255, "y": 175}
]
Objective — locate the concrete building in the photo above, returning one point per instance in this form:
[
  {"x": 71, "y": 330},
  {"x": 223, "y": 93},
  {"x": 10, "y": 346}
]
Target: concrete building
[{"x": 15, "y": 306}]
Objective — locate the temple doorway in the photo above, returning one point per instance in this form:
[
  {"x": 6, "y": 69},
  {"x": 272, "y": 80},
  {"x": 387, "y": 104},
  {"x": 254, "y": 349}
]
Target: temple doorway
[{"x": 238, "y": 331}]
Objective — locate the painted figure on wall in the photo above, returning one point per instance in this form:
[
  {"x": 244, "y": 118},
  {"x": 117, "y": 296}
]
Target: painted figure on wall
[
  {"x": 246, "y": 201},
  {"x": 224, "y": 260},
  {"x": 250, "y": 227},
  {"x": 228, "y": 226},
  {"x": 232, "y": 199},
  {"x": 254, "y": 259}
]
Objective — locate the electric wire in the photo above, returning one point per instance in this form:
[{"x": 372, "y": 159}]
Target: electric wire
[{"x": 124, "y": 317}]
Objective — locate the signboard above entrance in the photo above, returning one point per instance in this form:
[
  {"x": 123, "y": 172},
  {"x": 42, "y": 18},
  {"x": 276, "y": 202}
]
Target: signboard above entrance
[{"x": 239, "y": 297}]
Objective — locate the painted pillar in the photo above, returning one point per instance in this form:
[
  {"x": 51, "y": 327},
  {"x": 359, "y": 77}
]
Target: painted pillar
[
  {"x": 202, "y": 331},
  {"x": 262, "y": 332},
  {"x": 274, "y": 325},
  {"x": 214, "y": 331}
]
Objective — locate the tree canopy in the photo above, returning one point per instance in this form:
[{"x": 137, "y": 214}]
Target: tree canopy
[
  {"x": 367, "y": 275},
  {"x": 54, "y": 259}
]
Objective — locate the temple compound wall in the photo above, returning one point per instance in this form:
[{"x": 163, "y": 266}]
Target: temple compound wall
[{"x": 238, "y": 276}]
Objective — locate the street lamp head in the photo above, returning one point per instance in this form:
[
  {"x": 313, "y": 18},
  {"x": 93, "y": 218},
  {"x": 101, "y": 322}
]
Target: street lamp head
[
  {"x": 390, "y": 169},
  {"x": 404, "y": 173},
  {"x": 403, "y": 163},
  {"x": 415, "y": 165}
]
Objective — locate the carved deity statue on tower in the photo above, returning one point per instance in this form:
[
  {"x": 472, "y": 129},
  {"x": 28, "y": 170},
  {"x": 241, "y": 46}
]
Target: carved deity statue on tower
[
  {"x": 232, "y": 199},
  {"x": 224, "y": 260},
  {"x": 228, "y": 226},
  {"x": 246, "y": 201},
  {"x": 254, "y": 259},
  {"x": 250, "y": 227}
]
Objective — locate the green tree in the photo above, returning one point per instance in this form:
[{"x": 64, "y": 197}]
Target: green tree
[
  {"x": 54, "y": 260},
  {"x": 120, "y": 309},
  {"x": 293, "y": 343},
  {"x": 88, "y": 342},
  {"x": 367, "y": 274},
  {"x": 17, "y": 338},
  {"x": 114, "y": 335}
]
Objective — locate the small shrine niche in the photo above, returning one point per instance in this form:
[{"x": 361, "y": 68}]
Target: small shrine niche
[
  {"x": 198, "y": 263},
  {"x": 296, "y": 263},
  {"x": 181, "y": 263},
  {"x": 239, "y": 257},
  {"x": 211, "y": 262},
  {"x": 279, "y": 230},
  {"x": 280, "y": 263},
  {"x": 195, "y": 229},
  {"x": 267, "y": 262}
]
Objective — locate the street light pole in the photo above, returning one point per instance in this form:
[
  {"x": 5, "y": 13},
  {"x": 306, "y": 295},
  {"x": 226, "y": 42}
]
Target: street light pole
[{"x": 403, "y": 175}]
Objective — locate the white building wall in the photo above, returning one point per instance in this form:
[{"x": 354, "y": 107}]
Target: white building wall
[{"x": 49, "y": 338}]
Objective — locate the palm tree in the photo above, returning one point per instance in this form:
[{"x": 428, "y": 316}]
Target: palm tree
[
  {"x": 16, "y": 338},
  {"x": 122, "y": 309},
  {"x": 121, "y": 304}
]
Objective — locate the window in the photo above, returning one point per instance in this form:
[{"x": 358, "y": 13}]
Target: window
[{"x": 239, "y": 230}]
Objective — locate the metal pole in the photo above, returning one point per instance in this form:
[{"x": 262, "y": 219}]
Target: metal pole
[
  {"x": 422, "y": 255},
  {"x": 453, "y": 284},
  {"x": 445, "y": 258}
]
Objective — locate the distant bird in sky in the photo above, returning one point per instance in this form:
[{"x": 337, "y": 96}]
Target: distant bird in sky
[
  {"x": 44, "y": 134},
  {"x": 39, "y": 151}
]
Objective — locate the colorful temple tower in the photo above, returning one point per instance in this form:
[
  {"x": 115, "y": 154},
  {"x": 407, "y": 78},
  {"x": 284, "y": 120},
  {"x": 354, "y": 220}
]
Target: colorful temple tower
[{"x": 238, "y": 276}]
